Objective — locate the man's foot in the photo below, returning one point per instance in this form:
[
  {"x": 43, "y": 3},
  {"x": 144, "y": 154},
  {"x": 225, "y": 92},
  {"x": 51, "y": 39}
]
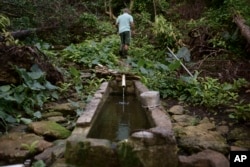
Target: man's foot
[
  {"x": 125, "y": 53},
  {"x": 120, "y": 53}
]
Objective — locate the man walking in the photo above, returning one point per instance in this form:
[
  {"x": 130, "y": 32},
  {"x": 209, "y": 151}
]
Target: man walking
[{"x": 125, "y": 23}]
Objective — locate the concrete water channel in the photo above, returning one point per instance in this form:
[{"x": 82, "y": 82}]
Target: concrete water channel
[{"x": 141, "y": 136}]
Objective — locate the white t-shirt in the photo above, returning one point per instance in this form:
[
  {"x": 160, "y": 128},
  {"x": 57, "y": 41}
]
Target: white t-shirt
[{"x": 124, "y": 22}]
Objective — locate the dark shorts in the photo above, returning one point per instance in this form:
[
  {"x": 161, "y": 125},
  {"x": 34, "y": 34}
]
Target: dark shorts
[{"x": 125, "y": 37}]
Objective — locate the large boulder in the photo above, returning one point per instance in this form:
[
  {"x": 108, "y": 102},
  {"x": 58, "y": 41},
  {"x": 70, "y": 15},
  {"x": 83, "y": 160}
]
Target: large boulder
[
  {"x": 206, "y": 158},
  {"x": 240, "y": 136},
  {"x": 202, "y": 136},
  {"x": 81, "y": 151},
  {"x": 50, "y": 129},
  {"x": 15, "y": 147}
]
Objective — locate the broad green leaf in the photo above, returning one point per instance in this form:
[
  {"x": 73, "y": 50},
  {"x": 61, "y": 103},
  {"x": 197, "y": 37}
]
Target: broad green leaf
[
  {"x": 174, "y": 65},
  {"x": 143, "y": 70},
  {"x": 37, "y": 114},
  {"x": 55, "y": 95},
  {"x": 3, "y": 114},
  {"x": 164, "y": 67},
  {"x": 227, "y": 86},
  {"x": 11, "y": 119},
  {"x": 184, "y": 53},
  {"x": 35, "y": 75},
  {"x": 74, "y": 71},
  {"x": 36, "y": 86},
  {"x": 26, "y": 120},
  {"x": 5, "y": 88},
  {"x": 49, "y": 86}
]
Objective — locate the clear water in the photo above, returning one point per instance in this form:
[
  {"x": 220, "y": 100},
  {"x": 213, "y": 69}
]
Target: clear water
[{"x": 118, "y": 117}]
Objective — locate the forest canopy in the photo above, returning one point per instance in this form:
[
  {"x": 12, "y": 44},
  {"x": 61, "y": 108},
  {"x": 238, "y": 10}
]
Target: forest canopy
[{"x": 66, "y": 21}]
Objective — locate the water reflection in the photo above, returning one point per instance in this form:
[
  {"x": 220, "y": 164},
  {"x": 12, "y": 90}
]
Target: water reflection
[{"x": 119, "y": 116}]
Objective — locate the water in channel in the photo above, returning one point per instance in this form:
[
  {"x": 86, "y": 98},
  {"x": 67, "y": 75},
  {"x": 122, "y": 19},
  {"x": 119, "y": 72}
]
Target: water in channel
[{"x": 118, "y": 117}]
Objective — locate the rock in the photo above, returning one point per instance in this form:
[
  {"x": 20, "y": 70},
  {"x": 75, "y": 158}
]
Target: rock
[
  {"x": 65, "y": 108},
  {"x": 176, "y": 110},
  {"x": 243, "y": 143},
  {"x": 53, "y": 153},
  {"x": 82, "y": 151},
  {"x": 183, "y": 120},
  {"x": 206, "y": 158},
  {"x": 239, "y": 134},
  {"x": 197, "y": 138},
  {"x": 58, "y": 119},
  {"x": 223, "y": 123},
  {"x": 240, "y": 137},
  {"x": 19, "y": 128},
  {"x": 148, "y": 138},
  {"x": 60, "y": 163},
  {"x": 235, "y": 148},
  {"x": 51, "y": 114},
  {"x": 17, "y": 146},
  {"x": 143, "y": 134},
  {"x": 136, "y": 154},
  {"x": 207, "y": 126},
  {"x": 223, "y": 130},
  {"x": 205, "y": 120},
  {"x": 49, "y": 129}
]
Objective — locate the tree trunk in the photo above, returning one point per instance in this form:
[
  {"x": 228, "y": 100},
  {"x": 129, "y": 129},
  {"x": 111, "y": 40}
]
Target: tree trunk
[
  {"x": 244, "y": 29},
  {"x": 19, "y": 34},
  {"x": 131, "y": 5},
  {"x": 154, "y": 4}
]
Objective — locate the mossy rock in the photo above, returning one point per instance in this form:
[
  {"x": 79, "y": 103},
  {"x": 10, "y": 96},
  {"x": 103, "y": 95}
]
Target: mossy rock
[
  {"x": 50, "y": 129},
  {"x": 127, "y": 155}
]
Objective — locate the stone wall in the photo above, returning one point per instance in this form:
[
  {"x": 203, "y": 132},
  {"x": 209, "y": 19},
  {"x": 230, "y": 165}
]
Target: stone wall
[{"x": 147, "y": 148}]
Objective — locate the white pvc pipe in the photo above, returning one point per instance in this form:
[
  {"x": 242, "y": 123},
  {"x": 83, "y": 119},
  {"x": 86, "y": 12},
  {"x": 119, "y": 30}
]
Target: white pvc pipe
[
  {"x": 123, "y": 81},
  {"x": 180, "y": 62}
]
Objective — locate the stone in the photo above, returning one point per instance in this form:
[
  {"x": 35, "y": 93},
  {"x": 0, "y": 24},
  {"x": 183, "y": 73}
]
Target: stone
[
  {"x": 206, "y": 158},
  {"x": 239, "y": 133},
  {"x": 57, "y": 119},
  {"x": 81, "y": 151},
  {"x": 183, "y": 120},
  {"x": 148, "y": 138},
  {"x": 53, "y": 153},
  {"x": 65, "y": 108},
  {"x": 240, "y": 136},
  {"x": 223, "y": 130},
  {"x": 87, "y": 116},
  {"x": 207, "y": 126},
  {"x": 157, "y": 155},
  {"x": 160, "y": 118},
  {"x": 49, "y": 129},
  {"x": 176, "y": 110},
  {"x": 51, "y": 114},
  {"x": 15, "y": 147},
  {"x": 197, "y": 138},
  {"x": 236, "y": 148},
  {"x": 137, "y": 154},
  {"x": 242, "y": 143},
  {"x": 205, "y": 120},
  {"x": 143, "y": 134}
]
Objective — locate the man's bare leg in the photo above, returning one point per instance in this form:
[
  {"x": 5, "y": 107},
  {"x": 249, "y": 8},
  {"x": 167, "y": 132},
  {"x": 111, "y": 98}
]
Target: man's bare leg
[{"x": 125, "y": 50}]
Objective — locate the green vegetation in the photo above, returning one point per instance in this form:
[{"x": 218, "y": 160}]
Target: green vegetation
[
  {"x": 89, "y": 38},
  {"x": 22, "y": 102},
  {"x": 30, "y": 147}
]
